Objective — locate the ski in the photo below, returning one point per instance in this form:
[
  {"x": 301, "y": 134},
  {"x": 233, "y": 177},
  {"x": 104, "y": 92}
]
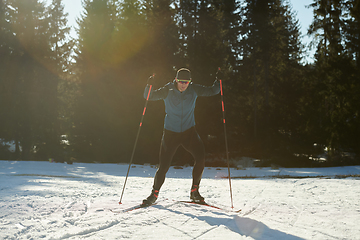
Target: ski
[
  {"x": 209, "y": 205},
  {"x": 139, "y": 206},
  {"x": 203, "y": 203}
]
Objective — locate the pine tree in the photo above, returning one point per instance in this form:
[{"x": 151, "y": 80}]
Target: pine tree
[
  {"x": 163, "y": 45},
  {"x": 31, "y": 79},
  {"x": 208, "y": 31},
  {"x": 208, "y": 37},
  {"x": 29, "y": 26},
  {"x": 333, "y": 78},
  {"x": 352, "y": 35},
  {"x": 6, "y": 38},
  {"x": 352, "y": 29},
  {"x": 94, "y": 61},
  {"x": 5, "y": 96},
  {"x": 269, "y": 73},
  {"x": 60, "y": 48}
]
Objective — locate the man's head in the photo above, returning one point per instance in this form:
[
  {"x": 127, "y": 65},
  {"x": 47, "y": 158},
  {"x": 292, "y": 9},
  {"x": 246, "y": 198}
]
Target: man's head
[{"x": 183, "y": 79}]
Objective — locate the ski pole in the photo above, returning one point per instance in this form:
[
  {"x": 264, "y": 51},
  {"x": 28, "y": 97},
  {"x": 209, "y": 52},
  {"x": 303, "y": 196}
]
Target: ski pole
[
  {"x": 136, "y": 140},
  {"x": 226, "y": 142}
]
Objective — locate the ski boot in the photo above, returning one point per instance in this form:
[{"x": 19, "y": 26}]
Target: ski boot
[
  {"x": 150, "y": 199},
  {"x": 195, "y": 195}
]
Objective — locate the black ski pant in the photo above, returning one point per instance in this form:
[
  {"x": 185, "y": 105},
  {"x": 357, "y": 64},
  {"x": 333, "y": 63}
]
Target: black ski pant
[{"x": 170, "y": 142}]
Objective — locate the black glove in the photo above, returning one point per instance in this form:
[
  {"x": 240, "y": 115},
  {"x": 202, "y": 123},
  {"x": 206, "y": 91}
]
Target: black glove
[
  {"x": 219, "y": 75},
  {"x": 151, "y": 79}
]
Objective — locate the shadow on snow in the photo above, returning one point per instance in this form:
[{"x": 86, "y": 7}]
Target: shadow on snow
[{"x": 242, "y": 225}]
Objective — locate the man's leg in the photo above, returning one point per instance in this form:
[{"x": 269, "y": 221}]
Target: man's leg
[
  {"x": 169, "y": 143},
  {"x": 193, "y": 144}
]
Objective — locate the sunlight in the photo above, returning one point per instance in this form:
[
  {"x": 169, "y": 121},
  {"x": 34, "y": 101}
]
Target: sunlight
[{"x": 120, "y": 45}]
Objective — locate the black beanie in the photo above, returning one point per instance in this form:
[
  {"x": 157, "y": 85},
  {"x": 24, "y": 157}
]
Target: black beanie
[{"x": 183, "y": 74}]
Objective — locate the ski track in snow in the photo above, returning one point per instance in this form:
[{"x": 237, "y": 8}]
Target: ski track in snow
[{"x": 41, "y": 200}]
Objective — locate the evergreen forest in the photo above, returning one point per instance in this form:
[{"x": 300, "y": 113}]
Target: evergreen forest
[{"x": 81, "y": 99}]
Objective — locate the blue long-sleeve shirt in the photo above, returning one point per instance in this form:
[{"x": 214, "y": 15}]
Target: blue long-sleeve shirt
[{"x": 180, "y": 106}]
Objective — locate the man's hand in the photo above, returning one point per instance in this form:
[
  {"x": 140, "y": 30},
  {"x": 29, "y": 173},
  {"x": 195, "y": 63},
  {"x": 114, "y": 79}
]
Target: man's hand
[
  {"x": 151, "y": 79},
  {"x": 219, "y": 74}
]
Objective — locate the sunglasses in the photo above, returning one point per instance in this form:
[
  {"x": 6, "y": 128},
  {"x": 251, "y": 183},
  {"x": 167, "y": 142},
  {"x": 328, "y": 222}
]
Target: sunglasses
[{"x": 183, "y": 81}]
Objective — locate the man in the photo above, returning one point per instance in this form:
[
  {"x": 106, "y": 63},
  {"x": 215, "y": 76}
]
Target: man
[{"x": 179, "y": 128}]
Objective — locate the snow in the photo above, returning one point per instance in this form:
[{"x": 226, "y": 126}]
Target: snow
[{"x": 43, "y": 200}]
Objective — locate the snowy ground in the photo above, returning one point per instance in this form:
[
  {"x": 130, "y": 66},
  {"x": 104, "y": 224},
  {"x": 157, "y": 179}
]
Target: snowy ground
[{"x": 43, "y": 200}]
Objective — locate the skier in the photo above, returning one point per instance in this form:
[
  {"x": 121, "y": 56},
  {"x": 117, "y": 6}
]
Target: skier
[{"x": 179, "y": 128}]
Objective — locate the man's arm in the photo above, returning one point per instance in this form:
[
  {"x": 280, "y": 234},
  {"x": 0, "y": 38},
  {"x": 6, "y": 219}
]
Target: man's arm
[
  {"x": 207, "y": 91},
  {"x": 157, "y": 94}
]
